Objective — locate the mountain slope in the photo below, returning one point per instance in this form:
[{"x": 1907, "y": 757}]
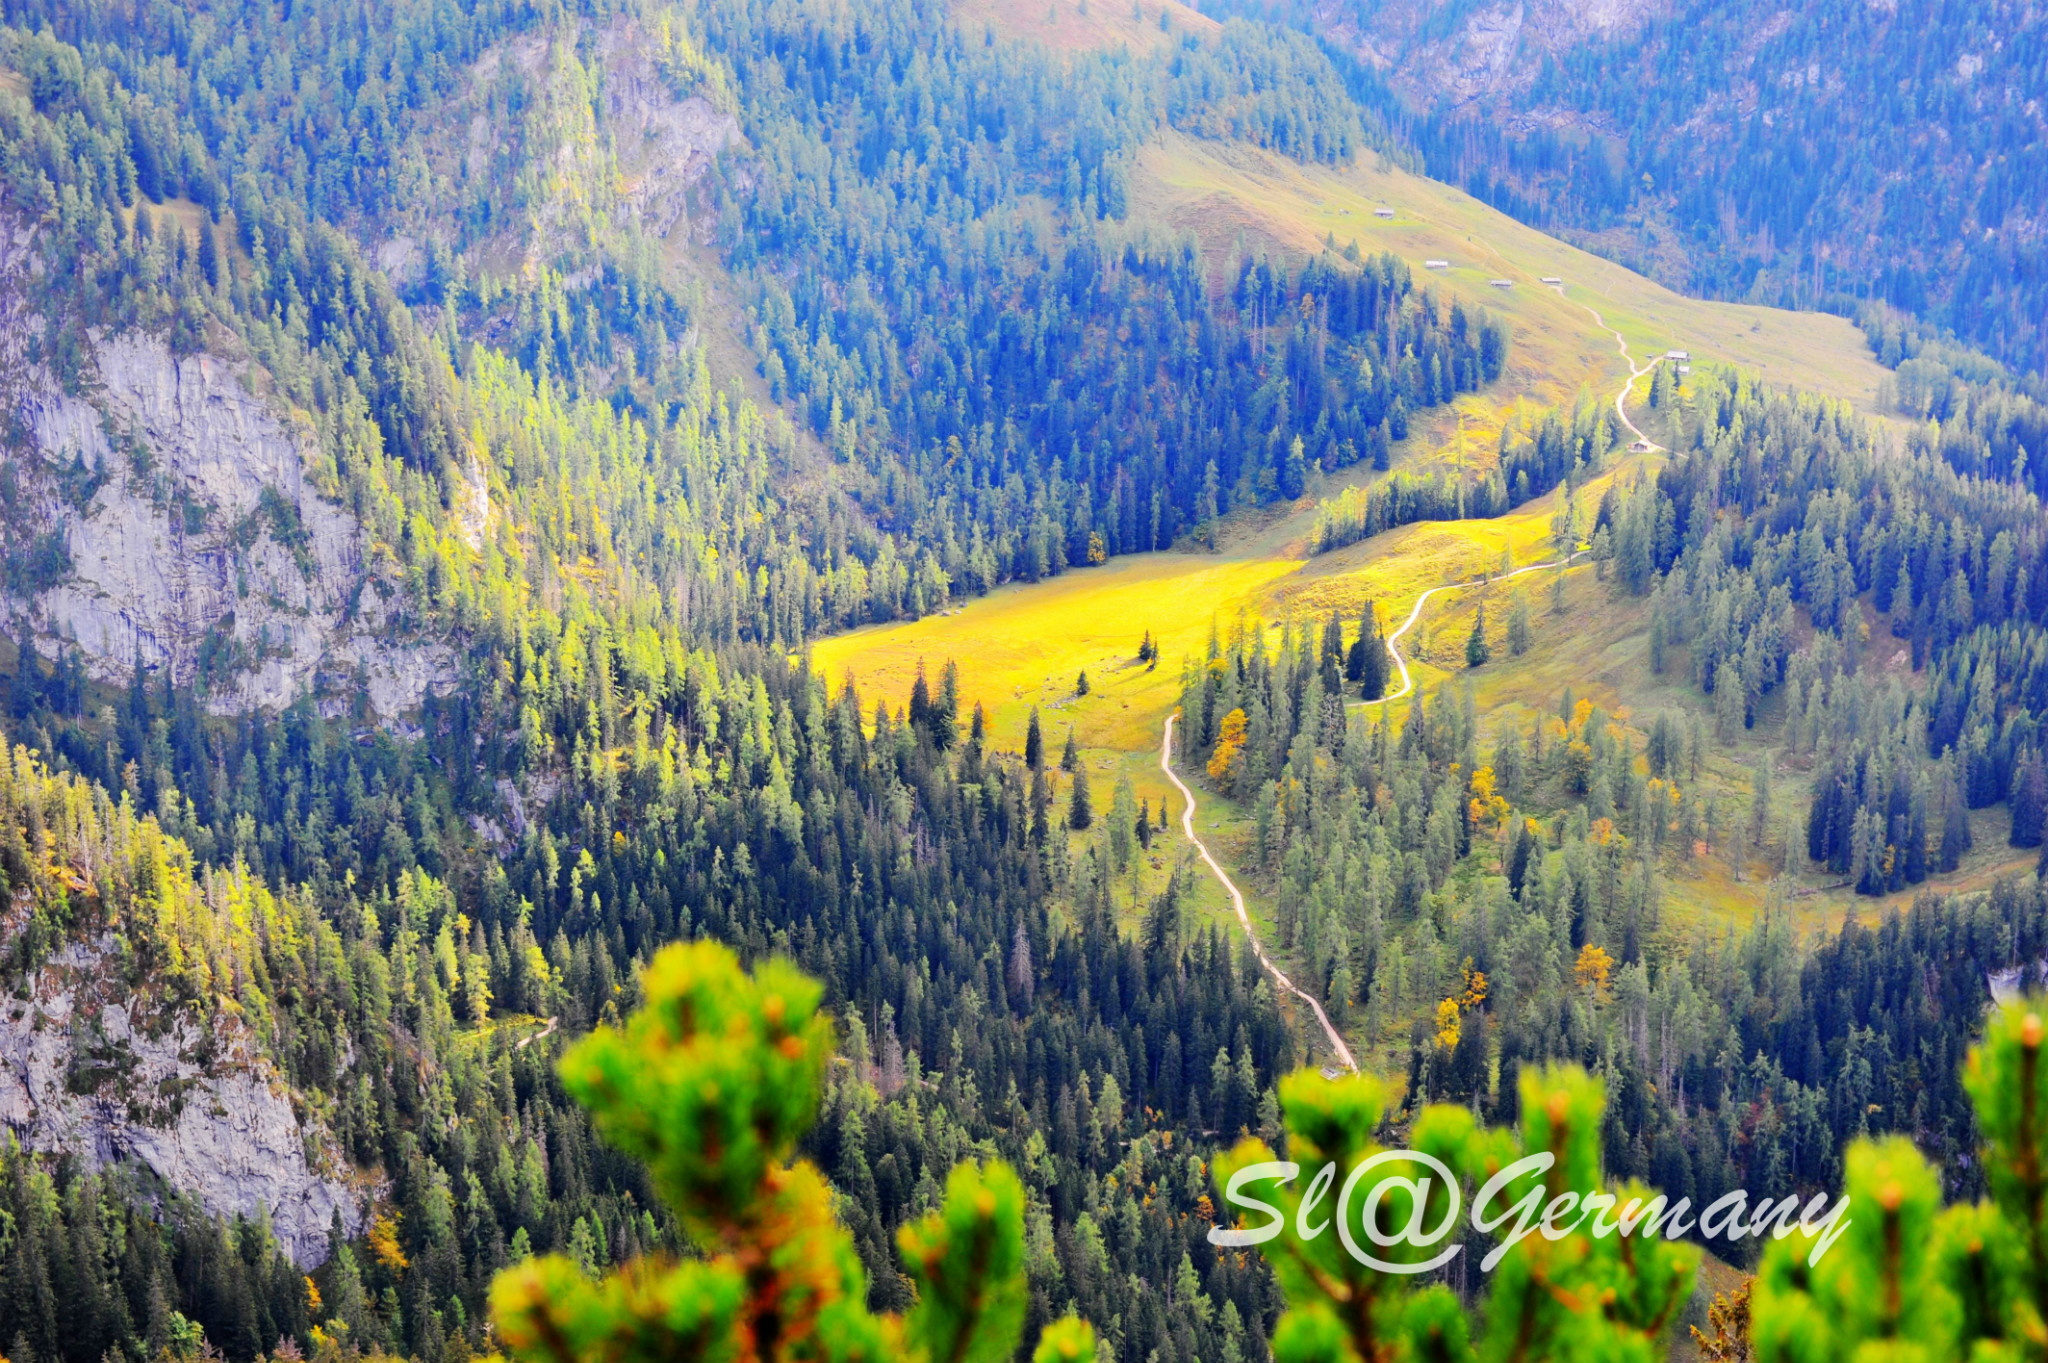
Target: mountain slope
[{"x": 1822, "y": 156}]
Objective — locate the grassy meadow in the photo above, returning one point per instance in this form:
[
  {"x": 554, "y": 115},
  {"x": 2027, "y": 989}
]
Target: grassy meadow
[
  {"x": 1025, "y": 645},
  {"x": 1234, "y": 198}
]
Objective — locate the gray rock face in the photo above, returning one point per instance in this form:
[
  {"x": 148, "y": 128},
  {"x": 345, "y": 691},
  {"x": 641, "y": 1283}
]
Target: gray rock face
[
  {"x": 87, "y": 1067},
  {"x": 1433, "y": 52},
  {"x": 184, "y": 507},
  {"x": 665, "y": 145}
]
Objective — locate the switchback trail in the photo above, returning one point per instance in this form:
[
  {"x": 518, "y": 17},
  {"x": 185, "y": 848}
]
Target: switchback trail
[
  {"x": 1394, "y": 639},
  {"x": 1187, "y": 817},
  {"x": 1635, "y": 371},
  {"x": 1187, "y": 824}
]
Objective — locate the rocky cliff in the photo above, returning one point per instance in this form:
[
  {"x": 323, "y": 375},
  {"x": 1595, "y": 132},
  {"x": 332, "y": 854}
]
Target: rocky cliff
[
  {"x": 1457, "y": 52},
  {"x": 165, "y": 504},
  {"x": 90, "y": 1067},
  {"x": 623, "y": 148}
]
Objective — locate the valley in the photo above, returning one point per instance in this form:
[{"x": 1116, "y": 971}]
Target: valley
[
  {"x": 1022, "y": 647},
  {"x": 774, "y": 680}
]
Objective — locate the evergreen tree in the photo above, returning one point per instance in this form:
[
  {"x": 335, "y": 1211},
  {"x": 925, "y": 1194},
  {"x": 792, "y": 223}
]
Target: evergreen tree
[
  {"x": 712, "y": 1083},
  {"x": 1080, "y": 813},
  {"x": 1477, "y": 651},
  {"x": 1759, "y": 802},
  {"x": 1123, "y": 820},
  {"x": 1518, "y": 625}
]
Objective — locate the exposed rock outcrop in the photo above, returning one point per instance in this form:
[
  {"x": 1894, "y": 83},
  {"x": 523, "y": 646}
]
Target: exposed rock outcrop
[
  {"x": 88, "y": 1067},
  {"x": 1483, "y": 50},
  {"x": 665, "y": 145},
  {"x": 189, "y": 526}
]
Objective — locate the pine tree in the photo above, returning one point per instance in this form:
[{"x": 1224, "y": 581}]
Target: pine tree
[
  {"x": 920, "y": 712},
  {"x": 714, "y": 1080},
  {"x": 1123, "y": 819},
  {"x": 2029, "y": 800},
  {"x": 1070, "y": 756},
  {"x": 1760, "y": 803},
  {"x": 1034, "y": 743},
  {"x": 1368, "y": 663},
  {"x": 1729, "y": 708},
  {"x": 1080, "y": 813},
  {"x": 1518, "y": 625},
  {"x": 1293, "y": 471},
  {"x": 1576, "y": 1296},
  {"x": 1022, "y": 974},
  {"x": 1477, "y": 652},
  {"x": 209, "y": 255},
  {"x": 945, "y": 718},
  {"x": 712, "y": 1083}
]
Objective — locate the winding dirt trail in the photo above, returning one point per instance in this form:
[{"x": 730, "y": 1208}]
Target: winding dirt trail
[
  {"x": 1187, "y": 825},
  {"x": 1407, "y": 687},
  {"x": 1635, "y": 371},
  {"x": 1394, "y": 639}
]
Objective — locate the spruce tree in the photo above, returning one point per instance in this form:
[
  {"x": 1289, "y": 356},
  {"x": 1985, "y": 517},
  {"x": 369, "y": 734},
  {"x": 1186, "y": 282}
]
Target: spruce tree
[
  {"x": 1367, "y": 664},
  {"x": 945, "y": 714},
  {"x": 1080, "y": 813},
  {"x": 1518, "y": 625},
  {"x": 1477, "y": 652},
  {"x": 920, "y": 712}
]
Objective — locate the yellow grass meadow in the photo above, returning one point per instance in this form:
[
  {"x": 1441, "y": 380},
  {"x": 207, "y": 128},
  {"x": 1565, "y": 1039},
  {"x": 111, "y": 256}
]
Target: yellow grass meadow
[{"x": 1026, "y": 645}]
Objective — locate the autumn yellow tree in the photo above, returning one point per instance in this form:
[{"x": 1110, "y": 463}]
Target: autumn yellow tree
[
  {"x": 1226, "y": 762},
  {"x": 1592, "y": 969},
  {"x": 1487, "y": 807}
]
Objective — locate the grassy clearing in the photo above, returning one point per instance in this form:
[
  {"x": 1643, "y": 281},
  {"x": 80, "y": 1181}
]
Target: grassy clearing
[
  {"x": 1026, "y": 644},
  {"x": 1233, "y": 197}
]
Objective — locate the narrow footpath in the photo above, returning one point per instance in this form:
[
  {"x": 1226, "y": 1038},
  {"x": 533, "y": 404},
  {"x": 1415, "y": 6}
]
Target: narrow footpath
[
  {"x": 1187, "y": 824},
  {"x": 1394, "y": 639},
  {"x": 1635, "y": 371},
  {"x": 1407, "y": 687}
]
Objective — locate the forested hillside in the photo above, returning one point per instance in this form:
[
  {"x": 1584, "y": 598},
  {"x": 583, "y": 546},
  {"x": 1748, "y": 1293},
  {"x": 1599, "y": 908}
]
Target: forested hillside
[
  {"x": 435, "y": 432},
  {"x": 495, "y": 358},
  {"x": 1819, "y": 156},
  {"x": 1514, "y": 885}
]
